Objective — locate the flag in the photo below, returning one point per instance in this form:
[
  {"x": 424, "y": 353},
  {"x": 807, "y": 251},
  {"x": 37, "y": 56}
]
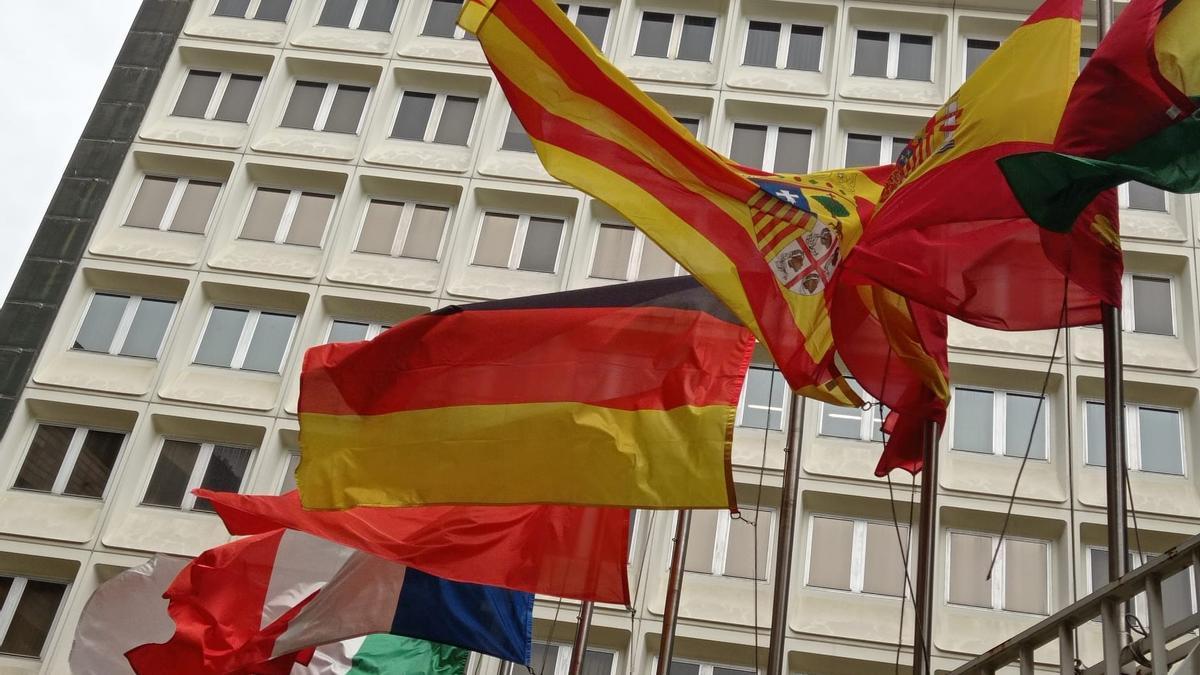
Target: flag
[
  {"x": 565, "y": 551},
  {"x": 950, "y": 234},
  {"x": 264, "y": 598},
  {"x": 382, "y": 654},
  {"x": 767, "y": 245},
  {"x": 1132, "y": 115},
  {"x": 621, "y": 395}
]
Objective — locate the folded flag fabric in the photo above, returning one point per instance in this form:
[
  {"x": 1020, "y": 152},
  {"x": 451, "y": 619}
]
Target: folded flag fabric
[
  {"x": 266, "y": 597},
  {"x": 1132, "y": 115},
  {"x": 950, "y": 234},
  {"x": 622, "y": 395},
  {"x": 566, "y": 551},
  {"x": 384, "y": 654}
]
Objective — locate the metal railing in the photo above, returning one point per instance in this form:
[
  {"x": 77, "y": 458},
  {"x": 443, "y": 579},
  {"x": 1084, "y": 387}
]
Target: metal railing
[{"x": 1150, "y": 652}]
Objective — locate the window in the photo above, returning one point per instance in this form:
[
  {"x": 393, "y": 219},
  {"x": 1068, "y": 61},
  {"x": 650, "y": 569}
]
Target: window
[
  {"x": 692, "y": 124},
  {"x": 862, "y": 424},
  {"x": 761, "y": 406},
  {"x": 676, "y": 36},
  {"x": 403, "y": 229},
  {"x": 771, "y": 147},
  {"x": 515, "y": 136},
  {"x": 725, "y": 546},
  {"x": 361, "y": 14},
  {"x": 245, "y": 339},
  {"x": 263, "y": 10},
  {"x": 353, "y": 331},
  {"x": 28, "y": 608},
  {"x": 1085, "y": 55},
  {"x": 173, "y": 204},
  {"x": 1026, "y": 563},
  {"x": 555, "y": 659},
  {"x": 1148, "y": 305},
  {"x": 288, "y": 482},
  {"x": 870, "y": 150},
  {"x": 625, "y": 253},
  {"x": 694, "y": 668},
  {"x": 801, "y": 50},
  {"x": 999, "y": 423},
  {"x": 184, "y": 466},
  {"x": 1154, "y": 438},
  {"x": 591, "y": 21},
  {"x": 1141, "y": 197},
  {"x": 326, "y": 107},
  {"x": 977, "y": 52},
  {"x": 287, "y": 217},
  {"x": 1178, "y": 599},
  {"x": 65, "y": 460},
  {"x": 435, "y": 118},
  {"x": 522, "y": 242},
  {"x": 210, "y": 95},
  {"x": 442, "y": 20},
  {"x": 896, "y": 56},
  {"x": 124, "y": 325},
  {"x": 859, "y": 556}
]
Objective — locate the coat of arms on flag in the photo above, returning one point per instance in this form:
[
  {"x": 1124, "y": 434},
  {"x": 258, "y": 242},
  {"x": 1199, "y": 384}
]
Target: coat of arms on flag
[{"x": 801, "y": 249}]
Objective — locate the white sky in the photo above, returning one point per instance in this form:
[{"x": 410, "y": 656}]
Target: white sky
[{"x": 54, "y": 58}]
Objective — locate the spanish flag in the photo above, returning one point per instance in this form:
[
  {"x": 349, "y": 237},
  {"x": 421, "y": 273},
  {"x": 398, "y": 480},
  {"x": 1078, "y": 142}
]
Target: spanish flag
[
  {"x": 622, "y": 395},
  {"x": 950, "y": 234},
  {"x": 1134, "y": 114}
]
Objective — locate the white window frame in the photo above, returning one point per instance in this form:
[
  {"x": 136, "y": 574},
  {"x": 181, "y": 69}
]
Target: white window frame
[
  {"x": 1133, "y": 439},
  {"x": 858, "y": 555},
  {"x": 435, "y": 115},
  {"x": 203, "y": 458},
  {"x": 572, "y": 13},
  {"x": 782, "y": 49},
  {"x": 887, "y": 143},
  {"x": 1000, "y": 422},
  {"x": 132, "y": 303},
  {"x": 720, "y": 553},
  {"x": 999, "y": 576},
  {"x": 243, "y": 344},
  {"x": 374, "y": 328},
  {"x": 635, "y": 252},
  {"x": 1123, "y": 200},
  {"x": 868, "y": 421},
  {"x": 771, "y": 145},
  {"x": 1127, "y": 315},
  {"x": 893, "y": 55},
  {"x": 562, "y": 658},
  {"x": 8, "y": 609},
  {"x": 518, "y": 245},
  {"x": 403, "y": 227},
  {"x": 287, "y": 218},
  {"x": 331, "y": 89},
  {"x": 360, "y": 7},
  {"x": 252, "y": 9},
  {"x": 173, "y": 202},
  {"x": 783, "y": 410},
  {"x": 1140, "y": 606},
  {"x": 218, "y": 94},
  {"x": 677, "y": 33},
  {"x": 965, "y": 40},
  {"x": 707, "y": 668}
]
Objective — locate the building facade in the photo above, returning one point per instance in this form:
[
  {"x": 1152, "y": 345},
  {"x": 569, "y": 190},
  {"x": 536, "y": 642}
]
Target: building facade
[{"x": 261, "y": 176}]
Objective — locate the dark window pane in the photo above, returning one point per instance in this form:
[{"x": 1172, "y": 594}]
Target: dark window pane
[
  {"x": 698, "y": 557},
  {"x": 655, "y": 263},
  {"x": 273, "y": 10},
  {"x": 443, "y": 15},
  {"x": 762, "y": 44},
  {"x": 348, "y": 331},
  {"x": 596, "y": 662},
  {"x": 424, "y": 238},
  {"x": 831, "y": 552},
  {"x": 457, "y": 117},
  {"x": 378, "y": 15},
  {"x": 1098, "y": 559},
  {"x": 748, "y": 546},
  {"x": 5, "y": 586},
  {"x": 1094, "y": 421},
  {"x": 870, "y": 53},
  {"x": 308, "y": 223},
  {"x": 1152, "y": 306},
  {"x": 696, "y": 42},
  {"x": 543, "y": 658},
  {"x": 1085, "y": 55},
  {"x": 266, "y": 210},
  {"x": 1161, "y": 445},
  {"x": 970, "y": 557},
  {"x": 691, "y": 124},
  {"x": 978, "y": 51},
  {"x": 841, "y": 421},
  {"x": 45, "y": 457},
  {"x": 883, "y": 572},
  {"x": 239, "y": 98},
  {"x": 863, "y": 149},
  {"x": 542, "y": 240},
  {"x": 336, "y": 13},
  {"x": 168, "y": 483},
  {"x": 302, "y": 108},
  {"x": 973, "y": 420},
  {"x": 269, "y": 342},
  {"x": 289, "y": 474},
  {"x": 347, "y": 109},
  {"x": 221, "y": 337},
  {"x": 749, "y": 145},
  {"x": 1025, "y": 576},
  {"x": 1146, "y": 198},
  {"x": 804, "y": 48},
  {"x": 655, "y": 35},
  {"x": 232, "y": 8},
  {"x": 763, "y": 400},
  {"x": 151, "y": 202},
  {"x": 95, "y": 463},
  {"x": 197, "y": 92},
  {"x": 224, "y": 473},
  {"x": 35, "y": 614},
  {"x": 898, "y": 145},
  {"x": 718, "y": 670},
  {"x": 1025, "y": 415},
  {"x": 148, "y": 329},
  {"x": 379, "y": 227},
  {"x": 680, "y": 668},
  {"x": 1177, "y": 596},
  {"x": 194, "y": 210},
  {"x": 515, "y": 136},
  {"x": 792, "y": 150},
  {"x": 916, "y": 58},
  {"x": 593, "y": 22},
  {"x": 413, "y": 117},
  {"x": 100, "y": 325},
  {"x": 613, "y": 246},
  {"x": 495, "y": 244}
]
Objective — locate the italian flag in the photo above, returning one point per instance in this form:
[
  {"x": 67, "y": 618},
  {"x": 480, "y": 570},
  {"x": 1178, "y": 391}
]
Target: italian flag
[{"x": 374, "y": 654}]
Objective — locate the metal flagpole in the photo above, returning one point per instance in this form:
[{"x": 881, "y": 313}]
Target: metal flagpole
[
  {"x": 787, "y": 528},
  {"x": 666, "y": 647},
  {"x": 581, "y": 637},
  {"x": 926, "y": 550}
]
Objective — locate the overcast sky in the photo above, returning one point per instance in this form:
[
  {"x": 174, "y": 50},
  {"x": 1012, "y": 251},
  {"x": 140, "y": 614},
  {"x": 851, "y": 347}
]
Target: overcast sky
[{"x": 54, "y": 57}]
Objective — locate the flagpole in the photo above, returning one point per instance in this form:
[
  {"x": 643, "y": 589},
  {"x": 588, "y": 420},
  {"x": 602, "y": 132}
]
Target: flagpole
[
  {"x": 683, "y": 524},
  {"x": 926, "y": 550},
  {"x": 787, "y": 526},
  {"x": 579, "y": 648}
]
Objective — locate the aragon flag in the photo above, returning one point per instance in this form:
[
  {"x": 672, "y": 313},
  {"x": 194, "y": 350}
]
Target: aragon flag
[
  {"x": 1134, "y": 114},
  {"x": 950, "y": 234},
  {"x": 620, "y": 395}
]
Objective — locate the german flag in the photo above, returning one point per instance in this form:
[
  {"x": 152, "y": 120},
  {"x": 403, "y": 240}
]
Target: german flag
[{"x": 622, "y": 395}]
